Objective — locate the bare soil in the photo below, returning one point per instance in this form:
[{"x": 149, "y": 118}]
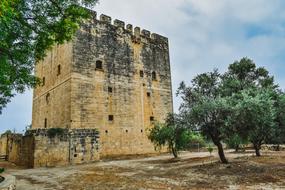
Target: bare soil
[{"x": 190, "y": 171}]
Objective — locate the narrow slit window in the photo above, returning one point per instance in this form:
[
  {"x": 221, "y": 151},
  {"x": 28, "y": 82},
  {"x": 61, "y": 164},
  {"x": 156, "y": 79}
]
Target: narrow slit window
[
  {"x": 58, "y": 70},
  {"x": 44, "y": 81},
  {"x": 153, "y": 75},
  {"x": 111, "y": 118},
  {"x": 99, "y": 64},
  {"x": 48, "y": 98},
  {"x": 45, "y": 123},
  {"x": 141, "y": 74}
]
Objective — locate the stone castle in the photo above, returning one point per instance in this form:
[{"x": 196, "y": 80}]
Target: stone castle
[{"x": 104, "y": 89}]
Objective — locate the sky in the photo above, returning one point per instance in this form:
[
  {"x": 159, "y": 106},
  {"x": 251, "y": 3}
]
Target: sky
[{"x": 203, "y": 35}]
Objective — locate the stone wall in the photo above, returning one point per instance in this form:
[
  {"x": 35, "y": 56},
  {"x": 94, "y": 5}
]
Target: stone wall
[
  {"x": 38, "y": 149},
  {"x": 121, "y": 99},
  {"x": 20, "y": 149},
  {"x": 72, "y": 147},
  {"x": 4, "y": 145},
  {"x": 124, "y": 87}
]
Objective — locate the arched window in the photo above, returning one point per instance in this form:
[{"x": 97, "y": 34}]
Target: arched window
[
  {"x": 58, "y": 70},
  {"x": 99, "y": 64},
  {"x": 153, "y": 75}
]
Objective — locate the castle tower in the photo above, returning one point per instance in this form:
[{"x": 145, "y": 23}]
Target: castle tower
[{"x": 111, "y": 77}]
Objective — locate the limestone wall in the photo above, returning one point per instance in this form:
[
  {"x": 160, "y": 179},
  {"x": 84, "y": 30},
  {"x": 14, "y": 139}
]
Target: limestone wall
[
  {"x": 72, "y": 147},
  {"x": 122, "y": 99},
  {"x": 3, "y": 144},
  {"x": 129, "y": 59},
  {"x": 20, "y": 150}
]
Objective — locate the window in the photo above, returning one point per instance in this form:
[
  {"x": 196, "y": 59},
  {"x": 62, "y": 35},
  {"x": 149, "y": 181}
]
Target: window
[
  {"x": 106, "y": 131},
  {"x": 141, "y": 131},
  {"x": 153, "y": 75},
  {"x": 44, "y": 81},
  {"x": 110, "y": 89},
  {"x": 99, "y": 64},
  {"x": 47, "y": 98},
  {"x": 111, "y": 118},
  {"x": 58, "y": 70},
  {"x": 141, "y": 74},
  {"x": 148, "y": 94},
  {"x": 127, "y": 131},
  {"x": 151, "y": 118},
  {"x": 45, "y": 122}
]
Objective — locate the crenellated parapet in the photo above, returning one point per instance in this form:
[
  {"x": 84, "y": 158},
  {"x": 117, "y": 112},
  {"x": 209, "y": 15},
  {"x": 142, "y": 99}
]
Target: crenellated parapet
[{"x": 135, "y": 31}]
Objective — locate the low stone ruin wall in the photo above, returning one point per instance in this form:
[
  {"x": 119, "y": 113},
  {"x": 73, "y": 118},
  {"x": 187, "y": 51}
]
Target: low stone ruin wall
[{"x": 38, "y": 149}]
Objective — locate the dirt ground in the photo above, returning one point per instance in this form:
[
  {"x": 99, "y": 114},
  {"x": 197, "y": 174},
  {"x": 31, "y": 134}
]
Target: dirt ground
[{"x": 191, "y": 171}]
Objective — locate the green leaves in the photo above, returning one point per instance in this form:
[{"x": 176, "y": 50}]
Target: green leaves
[
  {"x": 243, "y": 103},
  {"x": 28, "y": 29},
  {"x": 172, "y": 133}
]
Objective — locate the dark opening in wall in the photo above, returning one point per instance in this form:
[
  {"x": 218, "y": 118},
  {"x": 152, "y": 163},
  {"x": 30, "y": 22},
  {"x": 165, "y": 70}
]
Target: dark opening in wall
[
  {"x": 110, "y": 89},
  {"x": 148, "y": 94},
  {"x": 58, "y": 70},
  {"x": 153, "y": 75},
  {"x": 99, "y": 64},
  {"x": 141, "y": 74},
  {"x": 141, "y": 131},
  {"x": 106, "y": 131},
  {"x": 45, "y": 125},
  {"x": 151, "y": 118},
  {"x": 44, "y": 81},
  {"x": 75, "y": 155},
  {"x": 48, "y": 98},
  {"x": 127, "y": 131},
  {"x": 111, "y": 118}
]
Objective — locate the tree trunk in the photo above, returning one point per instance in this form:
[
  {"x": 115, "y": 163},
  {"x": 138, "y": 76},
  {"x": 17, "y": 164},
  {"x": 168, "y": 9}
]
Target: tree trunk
[
  {"x": 257, "y": 150},
  {"x": 221, "y": 153},
  {"x": 174, "y": 152}
]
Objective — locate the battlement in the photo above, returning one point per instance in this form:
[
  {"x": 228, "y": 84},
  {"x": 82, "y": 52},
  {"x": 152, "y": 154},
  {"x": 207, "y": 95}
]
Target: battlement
[{"x": 136, "y": 31}]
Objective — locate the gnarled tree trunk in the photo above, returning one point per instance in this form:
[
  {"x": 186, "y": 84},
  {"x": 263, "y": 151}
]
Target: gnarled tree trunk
[
  {"x": 257, "y": 149},
  {"x": 221, "y": 153}
]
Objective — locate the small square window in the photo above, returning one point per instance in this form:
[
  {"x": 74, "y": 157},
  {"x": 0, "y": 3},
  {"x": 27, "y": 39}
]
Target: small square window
[
  {"x": 151, "y": 118},
  {"x": 141, "y": 74},
  {"x": 148, "y": 94},
  {"x": 106, "y": 131},
  {"x": 99, "y": 65},
  {"x": 111, "y": 118},
  {"x": 110, "y": 89}
]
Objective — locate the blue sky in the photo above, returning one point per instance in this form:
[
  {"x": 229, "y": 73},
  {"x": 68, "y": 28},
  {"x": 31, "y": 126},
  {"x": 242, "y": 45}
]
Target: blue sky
[{"x": 203, "y": 34}]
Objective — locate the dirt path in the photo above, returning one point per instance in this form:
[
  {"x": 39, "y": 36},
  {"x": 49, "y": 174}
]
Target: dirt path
[{"x": 191, "y": 171}]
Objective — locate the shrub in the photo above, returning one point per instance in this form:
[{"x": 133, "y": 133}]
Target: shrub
[{"x": 53, "y": 132}]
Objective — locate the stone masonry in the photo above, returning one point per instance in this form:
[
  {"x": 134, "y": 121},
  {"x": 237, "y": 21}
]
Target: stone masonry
[{"x": 111, "y": 77}]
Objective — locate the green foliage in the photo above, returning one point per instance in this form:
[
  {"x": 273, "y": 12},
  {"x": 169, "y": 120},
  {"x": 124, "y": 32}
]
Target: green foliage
[
  {"x": 171, "y": 134},
  {"x": 204, "y": 109},
  {"x": 53, "y": 132},
  {"x": 2, "y": 170},
  {"x": 210, "y": 149},
  {"x": 240, "y": 104},
  {"x": 235, "y": 141},
  {"x": 28, "y": 29}
]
